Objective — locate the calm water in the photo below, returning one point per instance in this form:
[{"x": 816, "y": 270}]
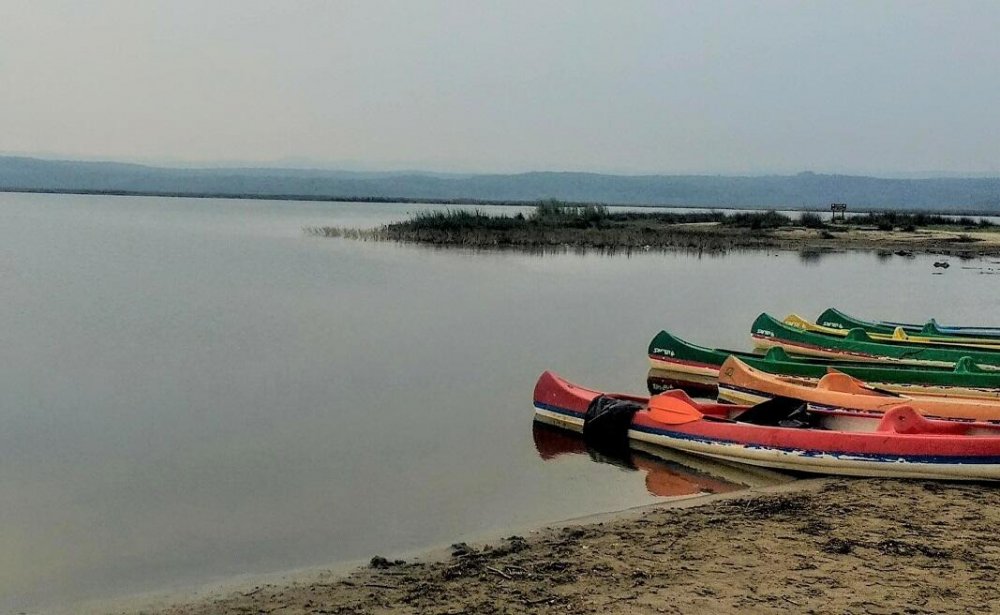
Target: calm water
[{"x": 192, "y": 389}]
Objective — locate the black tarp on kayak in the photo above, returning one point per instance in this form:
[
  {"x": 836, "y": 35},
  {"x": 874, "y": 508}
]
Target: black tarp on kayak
[{"x": 606, "y": 423}]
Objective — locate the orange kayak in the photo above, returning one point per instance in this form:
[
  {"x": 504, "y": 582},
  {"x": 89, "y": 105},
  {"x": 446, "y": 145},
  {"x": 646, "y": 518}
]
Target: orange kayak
[{"x": 741, "y": 384}]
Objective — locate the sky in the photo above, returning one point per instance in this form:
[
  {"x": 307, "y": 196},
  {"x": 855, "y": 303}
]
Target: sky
[{"x": 870, "y": 87}]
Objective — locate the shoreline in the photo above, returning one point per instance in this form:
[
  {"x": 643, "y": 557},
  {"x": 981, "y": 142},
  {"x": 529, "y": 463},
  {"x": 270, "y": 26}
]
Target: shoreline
[
  {"x": 829, "y": 545},
  {"x": 742, "y": 478},
  {"x": 694, "y": 237},
  {"x": 325, "y": 198}
]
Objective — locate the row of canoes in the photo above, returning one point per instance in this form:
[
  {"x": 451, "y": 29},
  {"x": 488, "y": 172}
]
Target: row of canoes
[
  {"x": 839, "y": 396},
  {"x": 676, "y": 363},
  {"x": 858, "y": 345}
]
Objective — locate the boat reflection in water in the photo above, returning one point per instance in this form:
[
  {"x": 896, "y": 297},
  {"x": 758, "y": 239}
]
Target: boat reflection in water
[
  {"x": 667, "y": 473},
  {"x": 660, "y": 380}
]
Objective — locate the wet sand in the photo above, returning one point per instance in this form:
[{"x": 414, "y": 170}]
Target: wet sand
[{"x": 811, "y": 546}]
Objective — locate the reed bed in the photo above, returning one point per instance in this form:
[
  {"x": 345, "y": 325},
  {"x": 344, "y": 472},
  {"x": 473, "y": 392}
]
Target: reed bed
[{"x": 555, "y": 225}]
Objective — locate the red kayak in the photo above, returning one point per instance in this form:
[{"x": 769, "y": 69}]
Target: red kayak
[{"x": 899, "y": 443}]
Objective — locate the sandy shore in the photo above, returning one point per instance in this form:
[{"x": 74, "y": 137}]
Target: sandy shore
[{"x": 812, "y": 546}]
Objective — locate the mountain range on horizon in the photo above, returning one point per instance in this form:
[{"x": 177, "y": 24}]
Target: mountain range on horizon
[{"x": 803, "y": 190}]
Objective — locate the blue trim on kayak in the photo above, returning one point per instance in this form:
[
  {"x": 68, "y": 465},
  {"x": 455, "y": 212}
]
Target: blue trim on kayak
[
  {"x": 934, "y": 459},
  {"x": 954, "y": 329}
]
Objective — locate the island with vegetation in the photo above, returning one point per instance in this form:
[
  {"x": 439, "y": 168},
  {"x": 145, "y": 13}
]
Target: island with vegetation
[{"x": 556, "y": 225}]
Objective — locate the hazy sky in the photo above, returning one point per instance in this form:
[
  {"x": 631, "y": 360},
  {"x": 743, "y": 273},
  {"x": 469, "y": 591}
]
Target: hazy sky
[{"x": 875, "y": 87}]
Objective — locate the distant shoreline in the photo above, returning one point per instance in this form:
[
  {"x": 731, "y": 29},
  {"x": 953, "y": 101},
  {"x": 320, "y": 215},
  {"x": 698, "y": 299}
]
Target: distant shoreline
[
  {"x": 468, "y": 201},
  {"x": 558, "y": 226}
]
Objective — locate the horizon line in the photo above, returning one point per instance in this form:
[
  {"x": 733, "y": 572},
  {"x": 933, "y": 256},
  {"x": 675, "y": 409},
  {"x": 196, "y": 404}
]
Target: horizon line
[{"x": 390, "y": 168}]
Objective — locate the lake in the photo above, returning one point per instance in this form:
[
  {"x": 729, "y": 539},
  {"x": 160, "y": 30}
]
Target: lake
[{"x": 196, "y": 389}]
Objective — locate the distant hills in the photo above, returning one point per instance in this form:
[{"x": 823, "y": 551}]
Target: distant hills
[{"x": 805, "y": 190}]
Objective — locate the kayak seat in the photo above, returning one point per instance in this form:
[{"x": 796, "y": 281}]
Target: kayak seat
[
  {"x": 931, "y": 328},
  {"x": 858, "y": 335},
  {"x": 906, "y": 420},
  {"x": 966, "y": 365},
  {"x": 839, "y": 382},
  {"x": 903, "y": 419},
  {"x": 777, "y": 354}
]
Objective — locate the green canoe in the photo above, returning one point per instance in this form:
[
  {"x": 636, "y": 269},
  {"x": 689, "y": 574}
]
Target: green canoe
[
  {"x": 680, "y": 364},
  {"x": 836, "y": 319},
  {"x": 768, "y": 332}
]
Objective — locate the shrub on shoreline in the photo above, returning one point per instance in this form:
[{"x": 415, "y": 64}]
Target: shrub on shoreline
[
  {"x": 811, "y": 219},
  {"x": 758, "y": 220},
  {"x": 888, "y": 220}
]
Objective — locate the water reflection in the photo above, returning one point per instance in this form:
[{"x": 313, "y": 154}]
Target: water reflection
[
  {"x": 561, "y": 249},
  {"x": 660, "y": 381},
  {"x": 663, "y": 478},
  {"x": 812, "y": 256},
  {"x": 219, "y": 422}
]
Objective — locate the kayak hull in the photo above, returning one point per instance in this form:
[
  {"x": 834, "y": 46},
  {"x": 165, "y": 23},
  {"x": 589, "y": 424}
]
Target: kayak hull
[
  {"x": 836, "y": 319},
  {"x": 740, "y": 383},
  {"x": 787, "y": 460},
  {"x": 899, "y": 335},
  {"x": 881, "y": 453}
]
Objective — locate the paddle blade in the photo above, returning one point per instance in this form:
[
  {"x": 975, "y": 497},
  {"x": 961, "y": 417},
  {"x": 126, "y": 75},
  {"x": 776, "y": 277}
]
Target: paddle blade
[{"x": 670, "y": 410}]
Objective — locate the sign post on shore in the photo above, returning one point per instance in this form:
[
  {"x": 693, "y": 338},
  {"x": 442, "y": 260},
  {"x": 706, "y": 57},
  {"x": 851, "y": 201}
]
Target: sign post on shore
[{"x": 838, "y": 208}]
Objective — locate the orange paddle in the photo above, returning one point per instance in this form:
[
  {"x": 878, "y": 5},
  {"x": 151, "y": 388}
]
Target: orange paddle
[{"x": 671, "y": 410}]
